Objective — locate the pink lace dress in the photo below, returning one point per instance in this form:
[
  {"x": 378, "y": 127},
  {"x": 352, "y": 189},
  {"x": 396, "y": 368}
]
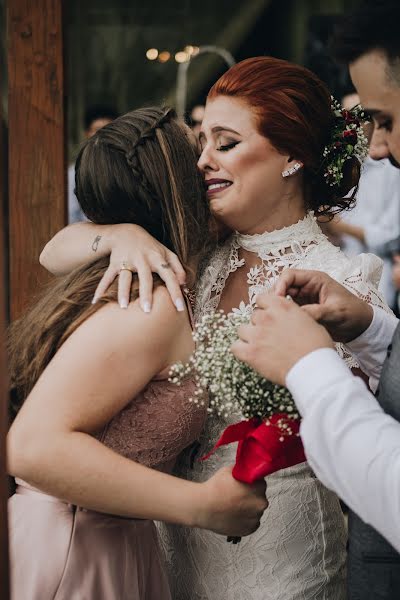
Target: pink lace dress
[{"x": 64, "y": 552}]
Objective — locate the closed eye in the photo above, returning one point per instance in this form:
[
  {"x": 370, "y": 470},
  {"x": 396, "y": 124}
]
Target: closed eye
[
  {"x": 387, "y": 125},
  {"x": 226, "y": 147}
]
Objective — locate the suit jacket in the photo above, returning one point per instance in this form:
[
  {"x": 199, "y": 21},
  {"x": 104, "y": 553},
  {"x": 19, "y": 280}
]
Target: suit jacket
[{"x": 373, "y": 564}]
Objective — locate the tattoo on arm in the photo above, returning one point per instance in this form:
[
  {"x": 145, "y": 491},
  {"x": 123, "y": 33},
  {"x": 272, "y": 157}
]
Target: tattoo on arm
[{"x": 96, "y": 243}]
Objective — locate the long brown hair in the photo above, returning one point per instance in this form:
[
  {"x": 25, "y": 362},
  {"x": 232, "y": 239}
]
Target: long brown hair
[{"x": 141, "y": 169}]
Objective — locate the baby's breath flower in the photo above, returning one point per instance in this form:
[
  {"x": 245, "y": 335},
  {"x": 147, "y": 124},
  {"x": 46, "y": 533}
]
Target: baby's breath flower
[{"x": 233, "y": 385}]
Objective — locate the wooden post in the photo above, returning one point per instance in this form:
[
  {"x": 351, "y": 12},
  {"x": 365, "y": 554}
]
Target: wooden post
[
  {"x": 37, "y": 174},
  {"x": 4, "y": 577},
  {"x": 4, "y": 565}
]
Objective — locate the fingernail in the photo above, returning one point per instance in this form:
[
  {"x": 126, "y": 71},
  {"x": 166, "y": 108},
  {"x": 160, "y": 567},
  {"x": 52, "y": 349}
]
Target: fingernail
[
  {"x": 180, "y": 306},
  {"x": 95, "y": 298},
  {"x": 124, "y": 303},
  {"x": 146, "y": 307}
]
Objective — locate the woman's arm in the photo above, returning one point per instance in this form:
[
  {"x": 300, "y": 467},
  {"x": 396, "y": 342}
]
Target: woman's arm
[
  {"x": 75, "y": 246},
  {"x": 128, "y": 245},
  {"x": 99, "y": 369}
]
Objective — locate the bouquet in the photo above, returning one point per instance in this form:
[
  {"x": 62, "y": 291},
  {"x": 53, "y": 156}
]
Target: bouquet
[{"x": 268, "y": 422}]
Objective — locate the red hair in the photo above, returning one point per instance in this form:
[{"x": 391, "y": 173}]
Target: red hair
[{"x": 293, "y": 109}]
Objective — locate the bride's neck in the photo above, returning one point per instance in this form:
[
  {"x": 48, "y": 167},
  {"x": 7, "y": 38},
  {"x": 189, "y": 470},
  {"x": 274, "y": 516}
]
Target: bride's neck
[{"x": 283, "y": 214}]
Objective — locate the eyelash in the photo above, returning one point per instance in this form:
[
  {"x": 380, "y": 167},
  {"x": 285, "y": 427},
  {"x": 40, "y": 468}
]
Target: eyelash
[
  {"x": 227, "y": 147},
  {"x": 386, "y": 125}
]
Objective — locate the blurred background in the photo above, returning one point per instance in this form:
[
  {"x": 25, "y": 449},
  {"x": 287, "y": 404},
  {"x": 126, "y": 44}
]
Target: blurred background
[
  {"x": 126, "y": 54},
  {"x": 67, "y": 68}
]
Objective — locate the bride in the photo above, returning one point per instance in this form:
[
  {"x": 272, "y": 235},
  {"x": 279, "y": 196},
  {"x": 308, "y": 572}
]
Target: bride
[{"x": 269, "y": 156}]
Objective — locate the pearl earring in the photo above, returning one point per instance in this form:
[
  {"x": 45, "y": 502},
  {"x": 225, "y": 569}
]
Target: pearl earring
[{"x": 292, "y": 170}]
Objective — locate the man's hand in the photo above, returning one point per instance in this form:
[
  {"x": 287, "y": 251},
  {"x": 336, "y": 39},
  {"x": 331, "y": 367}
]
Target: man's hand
[
  {"x": 342, "y": 313},
  {"x": 279, "y": 335}
]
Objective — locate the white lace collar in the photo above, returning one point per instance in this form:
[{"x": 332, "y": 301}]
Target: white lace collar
[{"x": 304, "y": 232}]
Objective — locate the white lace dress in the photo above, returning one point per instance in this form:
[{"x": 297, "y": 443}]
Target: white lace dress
[{"x": 299, "y": 551}]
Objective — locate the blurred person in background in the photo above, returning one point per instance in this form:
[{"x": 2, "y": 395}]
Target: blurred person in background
[
  {"x": 374, "y": 222},
  {"x": 95, "y": 117},
  {"x": 196, "y": 118}
]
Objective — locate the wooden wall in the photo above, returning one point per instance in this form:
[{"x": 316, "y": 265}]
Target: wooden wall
[
  {"x": 37, "y": 175},
  {"x": 4, "y": 583}
]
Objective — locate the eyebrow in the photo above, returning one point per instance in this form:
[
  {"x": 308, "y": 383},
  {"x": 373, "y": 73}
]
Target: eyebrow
[{"x": 373, "y": 112}]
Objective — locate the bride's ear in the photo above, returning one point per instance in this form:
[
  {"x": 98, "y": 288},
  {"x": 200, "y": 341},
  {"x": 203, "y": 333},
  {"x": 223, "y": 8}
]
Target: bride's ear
[{"x": 292, "y": 166}]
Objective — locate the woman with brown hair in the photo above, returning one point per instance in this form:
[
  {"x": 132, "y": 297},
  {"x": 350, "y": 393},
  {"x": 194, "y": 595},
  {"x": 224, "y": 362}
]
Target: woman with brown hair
[
  {"x": 97, "y": 425},
  {"x": 275, "y": 156}
]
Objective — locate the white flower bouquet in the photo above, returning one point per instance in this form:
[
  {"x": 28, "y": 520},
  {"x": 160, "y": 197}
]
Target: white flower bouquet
[{"x": 268, "y": 422}]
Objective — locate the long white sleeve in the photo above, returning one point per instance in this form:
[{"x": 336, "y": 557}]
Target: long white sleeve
[
  {"x": 352, "y": 445},
  {"x": 371, "y": 346}
]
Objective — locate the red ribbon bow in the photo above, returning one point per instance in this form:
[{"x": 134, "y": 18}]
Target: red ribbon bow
[{"x": 264, "y": 447}]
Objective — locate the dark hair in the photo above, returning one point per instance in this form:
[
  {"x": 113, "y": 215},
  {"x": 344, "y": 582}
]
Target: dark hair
[
  {"x": 99, "y": 111},
  {"x": 141, "y": 168},
  {"x": 374, "y": 25},
  {"x": 293, "y": 107}
]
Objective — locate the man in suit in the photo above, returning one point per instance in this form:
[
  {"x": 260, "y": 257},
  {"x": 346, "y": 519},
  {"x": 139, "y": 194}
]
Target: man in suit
[{"x": 351, "y": 440}]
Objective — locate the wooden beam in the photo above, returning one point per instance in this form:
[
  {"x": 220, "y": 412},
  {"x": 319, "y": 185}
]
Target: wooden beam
[
  {"x": 4, "y": 564},
  {"x": 37, "y": 173}
]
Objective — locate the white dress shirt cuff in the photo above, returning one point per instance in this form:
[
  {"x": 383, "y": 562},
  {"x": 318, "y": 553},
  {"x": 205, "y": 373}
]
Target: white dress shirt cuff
[
  {"x": 313, "y": 374},
  {"x": 370, "y": 347}
]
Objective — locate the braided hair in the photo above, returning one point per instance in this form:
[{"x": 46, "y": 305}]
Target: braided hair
[{"x": 141, "y": 169}]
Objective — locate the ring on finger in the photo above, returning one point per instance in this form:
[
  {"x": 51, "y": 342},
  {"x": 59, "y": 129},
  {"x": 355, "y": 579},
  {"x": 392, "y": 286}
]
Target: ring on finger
[
  {"x": 165, "y": 265},
  {"x": 125, "y": 267}
]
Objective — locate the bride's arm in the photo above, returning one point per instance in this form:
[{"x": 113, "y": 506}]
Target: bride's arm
[
  {"x": 75, "y": 246},
  {"x": 127, "y": 244}
]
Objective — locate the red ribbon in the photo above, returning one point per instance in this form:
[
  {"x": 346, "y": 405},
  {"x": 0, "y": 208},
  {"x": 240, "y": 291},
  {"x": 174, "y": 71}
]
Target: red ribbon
[{"x": 263, "y": 447}]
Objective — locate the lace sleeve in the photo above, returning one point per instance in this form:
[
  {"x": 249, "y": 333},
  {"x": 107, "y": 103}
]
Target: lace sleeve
[{"x": 361, "y": 276}]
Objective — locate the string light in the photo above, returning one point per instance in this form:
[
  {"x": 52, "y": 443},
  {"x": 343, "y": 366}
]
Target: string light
[
  {"x": 182, "y": 57},
  {"x": 164, "y": 56},
  {"x": 152, "y": 53}
]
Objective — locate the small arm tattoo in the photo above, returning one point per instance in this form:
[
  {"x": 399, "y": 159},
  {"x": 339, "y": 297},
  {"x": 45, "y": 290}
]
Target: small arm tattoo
[{"x": 96, "y": 243}]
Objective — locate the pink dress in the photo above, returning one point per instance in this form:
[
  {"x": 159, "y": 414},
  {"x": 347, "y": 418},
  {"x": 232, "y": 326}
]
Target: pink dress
[{"x": 64, "y": 552}]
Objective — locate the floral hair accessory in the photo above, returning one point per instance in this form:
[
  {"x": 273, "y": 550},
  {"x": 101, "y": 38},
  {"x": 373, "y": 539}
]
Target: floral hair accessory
[{"x": 347, "y": 140}]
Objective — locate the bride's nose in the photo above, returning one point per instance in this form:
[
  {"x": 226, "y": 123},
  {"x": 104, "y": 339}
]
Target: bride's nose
[{"x": 207, "y": 160}]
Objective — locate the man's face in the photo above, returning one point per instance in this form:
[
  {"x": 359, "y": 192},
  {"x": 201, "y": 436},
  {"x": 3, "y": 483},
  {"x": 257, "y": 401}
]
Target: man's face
[
  {"x": 380, "y": 97},
  {"x": 96, "y": 125}
]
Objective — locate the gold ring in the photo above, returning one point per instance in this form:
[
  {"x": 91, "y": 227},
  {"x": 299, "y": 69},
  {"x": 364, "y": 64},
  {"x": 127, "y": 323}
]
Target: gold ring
[{"x": 125, "y": 267}]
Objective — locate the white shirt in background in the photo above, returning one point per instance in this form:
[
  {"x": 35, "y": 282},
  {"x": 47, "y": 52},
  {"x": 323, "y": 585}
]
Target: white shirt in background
[
  {"x": 75, "y": 213},
  {"x": 351, "y": 444},
  {"x": 377, "y": 211}
]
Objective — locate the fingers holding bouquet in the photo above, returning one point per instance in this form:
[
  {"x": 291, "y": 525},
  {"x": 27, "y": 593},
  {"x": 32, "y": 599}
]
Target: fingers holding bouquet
[{"x": 232, "y": 508}]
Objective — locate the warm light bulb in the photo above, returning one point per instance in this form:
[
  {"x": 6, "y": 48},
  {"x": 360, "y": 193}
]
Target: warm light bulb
[
  {"x": 152, "y": 53},
  {"x": 182, "y": 57},
  {"x": 189, "y": 49},
  {"x": 164, "y": 56}
]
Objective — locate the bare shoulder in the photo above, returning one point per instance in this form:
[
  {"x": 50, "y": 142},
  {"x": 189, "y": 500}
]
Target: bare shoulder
[{"x": 118, "y": 330}]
